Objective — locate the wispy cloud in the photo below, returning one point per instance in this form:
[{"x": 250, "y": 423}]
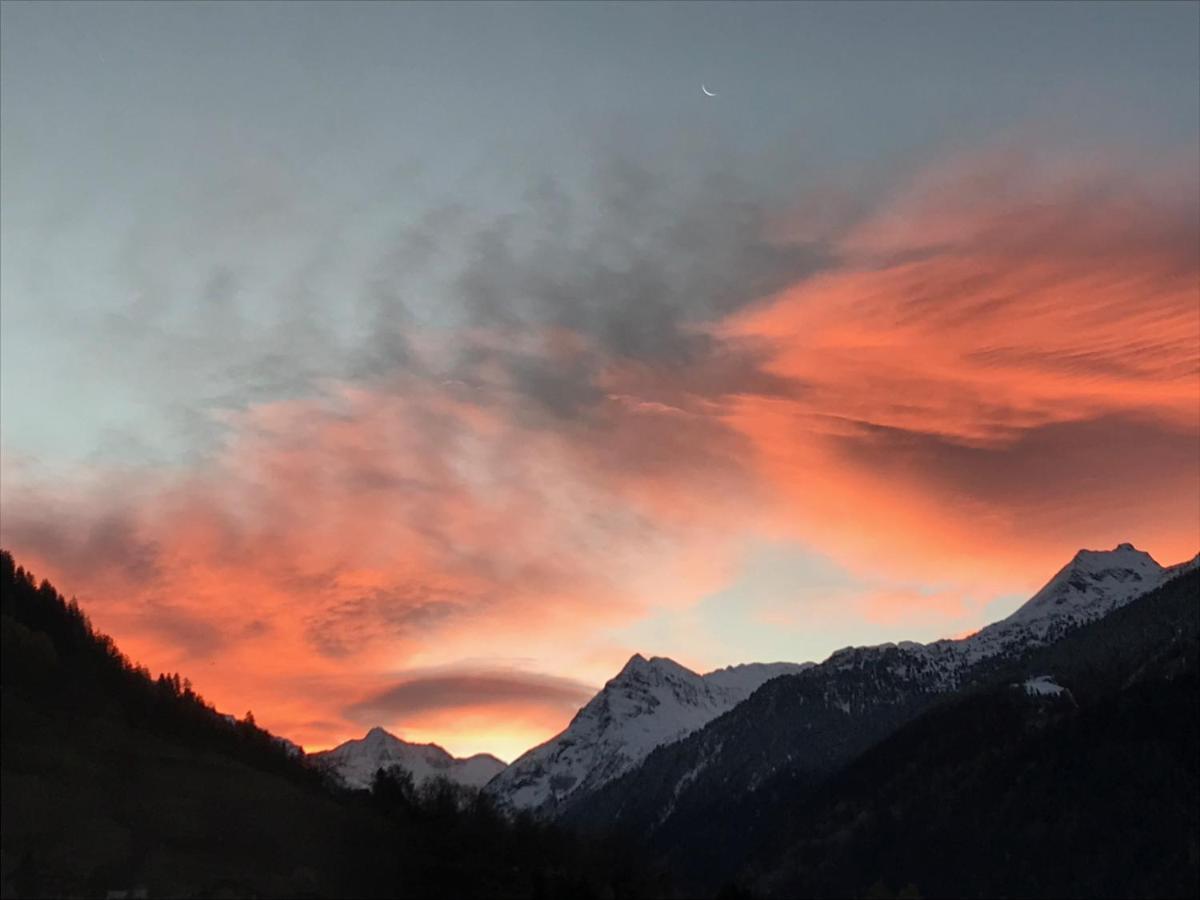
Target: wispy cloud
[{"x": 1005, "y": 362}]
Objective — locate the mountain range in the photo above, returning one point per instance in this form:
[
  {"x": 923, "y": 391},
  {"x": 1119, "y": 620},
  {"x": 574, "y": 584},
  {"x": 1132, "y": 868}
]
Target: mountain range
[
  {"x": 705, "y": 802},
  {"x": 735, "y": 777},
  {"x": 658, "y": 738}
]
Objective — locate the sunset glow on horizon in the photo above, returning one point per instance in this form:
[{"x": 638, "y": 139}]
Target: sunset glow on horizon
[{"x": 382, "y": 440}]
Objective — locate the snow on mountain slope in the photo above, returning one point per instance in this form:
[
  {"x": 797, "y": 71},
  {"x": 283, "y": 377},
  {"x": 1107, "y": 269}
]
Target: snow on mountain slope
[
  {"x": 1090, "y": 586},
  {"x": 357, "y": 761},
  {"x": 805, "y": 725},
  {"x": 1181, "y": 568},
  {"x": 1042, "y": 686},
  {"x": 749, "y": 677},
  {"x": 649, "y": 703},
  {"x": 657, "y": 701}
]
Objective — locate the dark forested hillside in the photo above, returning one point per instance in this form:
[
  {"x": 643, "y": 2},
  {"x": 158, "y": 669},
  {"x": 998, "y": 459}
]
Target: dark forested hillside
[
  {"x": 1090, "y": 792},
  {"x": 698, "y": 801},
  {"x": 114, "y": 780}
]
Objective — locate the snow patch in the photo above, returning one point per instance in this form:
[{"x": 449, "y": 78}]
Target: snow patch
[{"x": 1043, "y": 686}]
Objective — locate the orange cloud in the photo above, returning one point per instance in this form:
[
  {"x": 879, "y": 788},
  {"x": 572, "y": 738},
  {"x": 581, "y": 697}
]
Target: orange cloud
[
  {"x": 339, "y": 540},
  {"x": 1004, "y": 367}
]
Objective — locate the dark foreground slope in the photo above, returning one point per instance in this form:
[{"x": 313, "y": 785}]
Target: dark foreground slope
[
  {"x": 112, "y": 780},
  {"x": 699, "y": 803},
  {"x": 1091, "y": 792}
]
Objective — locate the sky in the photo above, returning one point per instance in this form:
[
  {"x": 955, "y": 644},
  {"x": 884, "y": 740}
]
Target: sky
[{"x": 415, "y": 365}]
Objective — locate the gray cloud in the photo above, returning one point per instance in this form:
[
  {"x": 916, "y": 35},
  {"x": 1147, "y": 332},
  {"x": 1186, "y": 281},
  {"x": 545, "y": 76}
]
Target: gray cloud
[
  {"x": 405, "y": 611},
  {"x": 197, "y": 637},
  {"x": 83, "y": 551},
  {"x": 631, "y": 263},
  {"x": 428, "y": 692},
  {"x": 1048, "y": 472}
]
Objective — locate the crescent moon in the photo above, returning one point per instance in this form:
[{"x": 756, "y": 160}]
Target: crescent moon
[{"x": 707, "y": 92}]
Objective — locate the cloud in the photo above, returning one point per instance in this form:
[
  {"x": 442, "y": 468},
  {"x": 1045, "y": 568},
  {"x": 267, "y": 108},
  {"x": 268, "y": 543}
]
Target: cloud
[
  {"x": 391, "y": 525},
  {"x": 991, "y": 366},
  {"x": 411, "y": 697},
  {"x": 1003, "y": 366},
  {"x": 347, "y": 626},
  {"x": 196, "y": 636},
  {"x": 505, "y": 710}
]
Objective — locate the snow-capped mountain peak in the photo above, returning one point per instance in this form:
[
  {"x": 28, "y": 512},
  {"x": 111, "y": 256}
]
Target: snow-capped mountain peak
[
  {"x": 379, "y": 737},
  {"x": 1091, "y": 585},
  {"x": 1092, "y": 578},
  {"x": 635, "y": 662},
  {"x": 650, "y": 702},
  {"x": 358, "y": 759}
]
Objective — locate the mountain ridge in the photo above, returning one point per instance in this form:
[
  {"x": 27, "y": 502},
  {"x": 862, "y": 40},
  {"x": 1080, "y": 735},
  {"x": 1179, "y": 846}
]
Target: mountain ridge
[
  {"x": 1085, "y": 784},
  {"x": 592, "y": 752},
  {"x": 812, "y": 722},
  {"x": 655, "y": 701},
  {"x": 357, "y": 760},
  {"x": 649, "y": 702}
]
